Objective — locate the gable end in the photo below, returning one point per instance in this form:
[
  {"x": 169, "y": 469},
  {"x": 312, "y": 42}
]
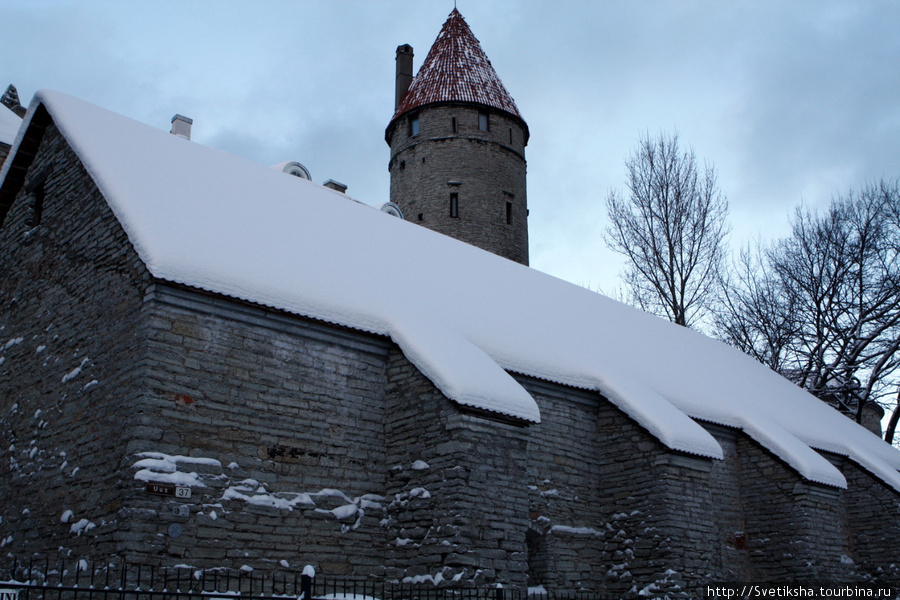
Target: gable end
[{"x": 20, "y": 161}]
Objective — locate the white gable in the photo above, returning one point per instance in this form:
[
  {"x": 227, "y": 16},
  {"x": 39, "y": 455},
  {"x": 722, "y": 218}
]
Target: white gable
[{"x": 463, "y": 316}]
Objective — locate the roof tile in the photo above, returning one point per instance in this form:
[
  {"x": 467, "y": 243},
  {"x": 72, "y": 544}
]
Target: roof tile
[{"x": 457, "y": 70}]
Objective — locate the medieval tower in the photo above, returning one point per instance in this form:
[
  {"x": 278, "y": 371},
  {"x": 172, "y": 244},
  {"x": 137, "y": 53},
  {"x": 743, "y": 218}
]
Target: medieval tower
[{"x": 458, "y": 146}]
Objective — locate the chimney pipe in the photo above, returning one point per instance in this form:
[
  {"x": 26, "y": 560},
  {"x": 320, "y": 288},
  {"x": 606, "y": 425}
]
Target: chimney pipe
[
  {"x": 336, "y": 186},
  {"x": 404, "y": 72},
  {"x": 181, "y": 126}
]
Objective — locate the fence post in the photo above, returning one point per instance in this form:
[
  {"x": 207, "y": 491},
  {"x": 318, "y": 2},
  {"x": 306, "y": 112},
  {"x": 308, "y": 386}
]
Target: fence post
[
  {"x": 498, "y": 593},
  {"x": 305, "y": 587}
]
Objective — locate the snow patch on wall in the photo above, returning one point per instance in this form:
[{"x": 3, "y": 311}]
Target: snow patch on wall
[
  {"x": 163, "y": 468},
  {"x": 75, "y": 372},
  {"x": 81, "y": 526}
]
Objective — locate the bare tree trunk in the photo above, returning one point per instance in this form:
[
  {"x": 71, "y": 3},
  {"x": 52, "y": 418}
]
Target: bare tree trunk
[{"x": 892, "y": 424}]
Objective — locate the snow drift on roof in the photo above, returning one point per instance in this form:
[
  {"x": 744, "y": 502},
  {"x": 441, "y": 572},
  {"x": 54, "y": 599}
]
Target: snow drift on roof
[{"x": 463, "y": 316}]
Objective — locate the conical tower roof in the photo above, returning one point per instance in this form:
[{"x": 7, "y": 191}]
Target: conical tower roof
[{"x": 457, "y": 70}]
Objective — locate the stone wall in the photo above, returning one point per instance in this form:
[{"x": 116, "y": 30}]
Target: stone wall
[
  {"x": 658, "y": 512},
  {"x": 872, "y": 526},
  {"x": 485, "y": 169},
  {"x": 459, "y": 506},
  {"x": 277, "y": 423},
  {"x": 730, "y": 533},
  {"x": 70, "y": 360},
  {"x": 612, "y": 510},
  {"x": 565, "y": 537},
  {"x": 793, "y": 527}
]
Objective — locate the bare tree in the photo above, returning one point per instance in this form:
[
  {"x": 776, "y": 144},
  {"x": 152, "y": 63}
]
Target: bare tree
[
  {"x": 822, "y": 306},
  {"x": 753, "y": 313},
  {"x": 671, "y": 226}
]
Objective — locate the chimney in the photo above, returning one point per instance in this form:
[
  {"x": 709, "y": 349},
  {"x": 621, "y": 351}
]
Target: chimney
[
  {"x": 404, "y": 72},
  {"x": 336, "y": 185},
  {"x": 11, "y": 101},
  {"x": 181, "y": 126}
]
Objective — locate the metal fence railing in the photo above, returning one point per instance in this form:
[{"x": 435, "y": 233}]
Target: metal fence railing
[{"x": 80, "y": 580}]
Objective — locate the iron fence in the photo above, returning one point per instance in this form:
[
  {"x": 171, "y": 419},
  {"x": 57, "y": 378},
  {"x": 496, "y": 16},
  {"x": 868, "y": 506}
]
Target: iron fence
[{"x": 80, "y": 580}]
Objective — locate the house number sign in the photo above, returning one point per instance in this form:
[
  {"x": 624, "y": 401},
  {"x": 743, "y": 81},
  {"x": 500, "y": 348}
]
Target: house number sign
[{"x": 163, "y": 489}]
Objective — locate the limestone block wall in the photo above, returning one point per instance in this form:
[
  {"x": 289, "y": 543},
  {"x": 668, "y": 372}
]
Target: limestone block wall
[
  {"x": 793, "y": 527},
  {"x": 872, "y": 526},
  {"x": 612, "y": 511},
  {"x": 71, "y": 360},
  {"x": 725, "y": 486},
  {"x": 659, "y": 512},
  {"x": 276, "y": 424},
  {"x": 566, "y": 531},
  {"x": 459, "y": 507}
]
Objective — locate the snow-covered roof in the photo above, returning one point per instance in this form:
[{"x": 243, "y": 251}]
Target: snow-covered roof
[
  {"x": 464, "y": 317},
  {"x": 457, "y": 70},
  {"x": 9, "y": 125}
]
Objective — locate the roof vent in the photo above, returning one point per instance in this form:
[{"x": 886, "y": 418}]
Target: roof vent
[
  {"x": 336, "y": 185},
  {"x": 296, "y": 169},
  {"x": 392, "y": 209},
  {"x": 181, "y": 126}
]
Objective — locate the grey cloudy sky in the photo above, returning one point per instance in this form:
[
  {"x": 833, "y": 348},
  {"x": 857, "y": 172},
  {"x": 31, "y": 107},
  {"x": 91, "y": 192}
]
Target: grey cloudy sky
[{"x": 791, "y": 100}]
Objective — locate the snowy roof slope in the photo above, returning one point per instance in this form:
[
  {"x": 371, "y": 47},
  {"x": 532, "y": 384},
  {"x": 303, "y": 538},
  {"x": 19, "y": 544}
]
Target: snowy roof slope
[
  {"x": 463, "y": 316},
  {"x": 9, "y": 125}
]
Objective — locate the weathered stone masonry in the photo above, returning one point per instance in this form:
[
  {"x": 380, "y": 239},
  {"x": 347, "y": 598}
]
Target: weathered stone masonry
[
  {"x": 311, "y": 443},
  {"x": 484, "y": 169},
  {"x": 71, "y": 300}
]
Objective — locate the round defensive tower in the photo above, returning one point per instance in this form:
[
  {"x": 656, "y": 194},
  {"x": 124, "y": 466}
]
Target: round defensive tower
[{"x": 458, "y": 146}]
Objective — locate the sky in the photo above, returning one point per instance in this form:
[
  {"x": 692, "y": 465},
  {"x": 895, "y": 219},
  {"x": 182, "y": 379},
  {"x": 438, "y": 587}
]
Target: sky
[{"x": 790, "y": 100}]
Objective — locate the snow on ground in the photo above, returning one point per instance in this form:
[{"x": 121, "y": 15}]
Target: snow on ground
[{"x": 464, "y": 317}]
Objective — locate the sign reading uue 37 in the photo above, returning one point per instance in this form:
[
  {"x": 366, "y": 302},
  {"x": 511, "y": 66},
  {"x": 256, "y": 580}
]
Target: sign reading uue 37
[{"x": 164, "y": 489}]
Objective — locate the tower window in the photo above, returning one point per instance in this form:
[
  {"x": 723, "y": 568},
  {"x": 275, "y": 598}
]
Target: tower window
[
  {"x": 483, "y": 122},
  {"x": 414, "y": 125},
  {"x": 454, "y": 205},
  {"x": 509, "y": 213},
  {"x": 510, "y": 135},
  {"x": 453, "y": 124}
]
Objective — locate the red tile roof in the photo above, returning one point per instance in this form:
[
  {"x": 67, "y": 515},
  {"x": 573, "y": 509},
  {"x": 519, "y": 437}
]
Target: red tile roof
[{"x": 457, "y": 70}]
